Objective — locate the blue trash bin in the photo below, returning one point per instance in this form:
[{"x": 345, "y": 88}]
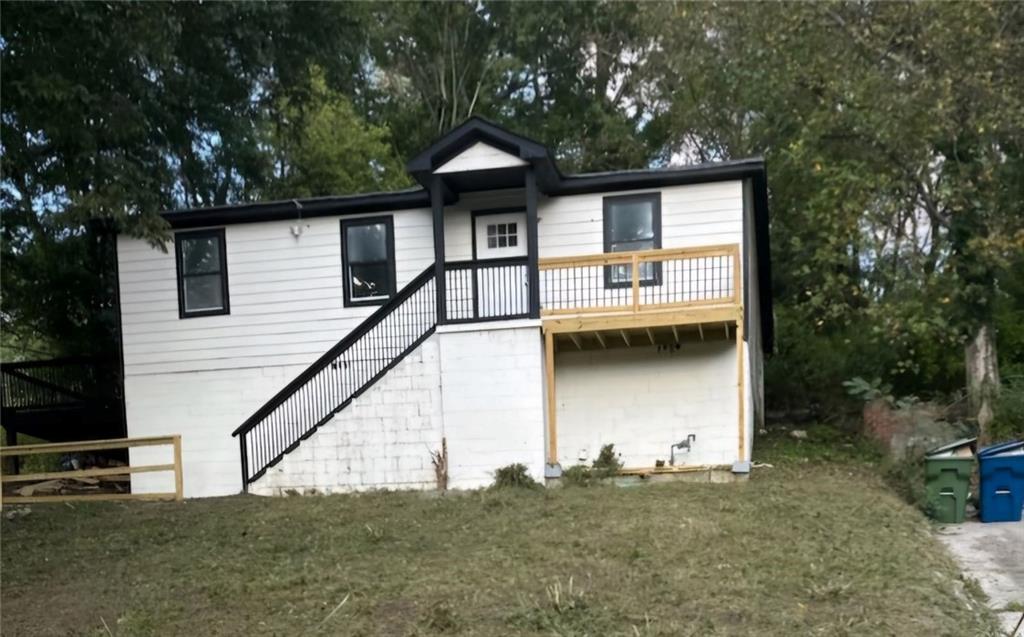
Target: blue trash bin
[{"x": 1002, "y": 482}]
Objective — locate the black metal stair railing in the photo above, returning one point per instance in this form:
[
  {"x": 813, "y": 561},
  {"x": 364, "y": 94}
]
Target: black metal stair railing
[{"x": 343, "y": 373}]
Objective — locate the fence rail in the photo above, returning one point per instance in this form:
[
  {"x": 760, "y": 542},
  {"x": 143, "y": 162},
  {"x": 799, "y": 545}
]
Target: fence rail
[
  {"x": 96, "y": 445},
  {"x": 640, "y": 281}
]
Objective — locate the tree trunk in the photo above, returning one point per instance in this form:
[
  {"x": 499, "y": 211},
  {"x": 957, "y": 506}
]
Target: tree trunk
[{"x": 982, "y": 378}]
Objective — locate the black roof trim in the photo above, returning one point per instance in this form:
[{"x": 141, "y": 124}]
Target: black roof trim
[
  {"x": 550, "y": 180},
  {"x": 475, "y": 129},
  {"x": 299, "y": 208},
  {"x": 658, "y": 177}
]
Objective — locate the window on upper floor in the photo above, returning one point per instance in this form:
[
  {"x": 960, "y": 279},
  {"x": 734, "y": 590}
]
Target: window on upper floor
[
  {"x": 202, "y": 273},
  {"x": 632, "y": 222},
  {"x": 368, "y": 260}
]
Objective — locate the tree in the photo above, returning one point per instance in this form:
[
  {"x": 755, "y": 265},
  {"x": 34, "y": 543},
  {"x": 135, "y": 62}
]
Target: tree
[
  {"x": 893, "y": 138},
  {"x": 323, "y": 147},
  {"x": 137, "y": 109}
]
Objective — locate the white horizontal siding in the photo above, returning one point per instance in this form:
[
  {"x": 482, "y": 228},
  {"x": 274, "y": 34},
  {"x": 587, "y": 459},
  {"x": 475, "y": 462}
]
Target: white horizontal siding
[
  {"x": 285, "y": 295},
  {"x": 691, "y": 216},
  {"x": 480, "y": 156}
]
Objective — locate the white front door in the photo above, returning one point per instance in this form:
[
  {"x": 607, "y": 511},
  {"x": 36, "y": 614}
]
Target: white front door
[{"x": 501, "y": 289}]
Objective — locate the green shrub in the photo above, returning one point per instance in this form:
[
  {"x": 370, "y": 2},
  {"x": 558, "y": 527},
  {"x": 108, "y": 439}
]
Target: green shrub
[
  {"x": 514, "y": 476},
  {"x": 606, "y": 465},
  {"x": 1009, "y": 417},
  {"x": 607, "y": 462},
  {"x": 578, "y": 475}
]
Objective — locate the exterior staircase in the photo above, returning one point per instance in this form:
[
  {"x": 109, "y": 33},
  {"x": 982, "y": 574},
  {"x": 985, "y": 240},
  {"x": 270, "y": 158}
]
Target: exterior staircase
[{"x": 338, "y": 377}]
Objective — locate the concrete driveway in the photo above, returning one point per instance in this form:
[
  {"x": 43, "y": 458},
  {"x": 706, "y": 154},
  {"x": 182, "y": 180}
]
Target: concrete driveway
[{"x": 993, "y": 554}]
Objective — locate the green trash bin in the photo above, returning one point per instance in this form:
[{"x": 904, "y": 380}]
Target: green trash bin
[{"x": 947, "y": 473}]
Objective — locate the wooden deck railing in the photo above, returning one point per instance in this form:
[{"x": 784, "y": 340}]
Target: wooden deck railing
[
  {"x": 624, "y": 282},
  {"x": 95, "y": 445}
]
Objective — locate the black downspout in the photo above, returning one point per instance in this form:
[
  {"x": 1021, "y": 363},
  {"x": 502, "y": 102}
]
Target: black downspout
[
  {"x": 437, "y": 209},
  {"x": 531, "y": 243}
]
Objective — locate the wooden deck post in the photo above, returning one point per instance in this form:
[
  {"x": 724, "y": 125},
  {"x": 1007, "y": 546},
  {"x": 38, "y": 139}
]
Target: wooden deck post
[
  {"x": 178, "y": 478},
  {"x": 549, "y": 377}
]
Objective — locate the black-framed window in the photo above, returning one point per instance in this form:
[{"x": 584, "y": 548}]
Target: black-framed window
[
  {"x": 368, "y": 260},
  {"x": 502, "y": 235},
  {"x": 632, "y": 222},
  {"x": 202, "y": 265}
]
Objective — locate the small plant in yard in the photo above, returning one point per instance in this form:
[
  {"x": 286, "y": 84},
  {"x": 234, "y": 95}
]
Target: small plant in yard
[
  {"x": 514, "y": 476},
  {"x": 563, "y": 610},
  {"x": 606, "y": 465},
  {"x": 441, "y": 618},
  {"x": 578, "y": 475},
  {"x": 375, "y": 534}
]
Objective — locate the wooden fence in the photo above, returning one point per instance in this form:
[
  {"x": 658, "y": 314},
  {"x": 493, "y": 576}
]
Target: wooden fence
[{"x": 95, "y": 445}]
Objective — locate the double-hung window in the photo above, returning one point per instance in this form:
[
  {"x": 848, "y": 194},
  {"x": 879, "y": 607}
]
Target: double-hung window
[
  {"x": 632, "y": 222},
  {"x": 368, "y": 260},
  {"x": 202, "y": 273}
]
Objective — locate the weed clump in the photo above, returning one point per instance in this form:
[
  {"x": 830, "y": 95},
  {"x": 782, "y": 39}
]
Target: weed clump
[
  {"x": 606, "y": 465},
  {"x": 441, "y": 618},
  {"x": 514, "y": 476},
  {"x": 564, "y": 610}
]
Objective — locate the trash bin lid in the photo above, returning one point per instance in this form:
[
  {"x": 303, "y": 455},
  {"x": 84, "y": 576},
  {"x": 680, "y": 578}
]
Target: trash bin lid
[
  {"x": 1011, "y": 448},
  {"x": 959, "y": 449}
]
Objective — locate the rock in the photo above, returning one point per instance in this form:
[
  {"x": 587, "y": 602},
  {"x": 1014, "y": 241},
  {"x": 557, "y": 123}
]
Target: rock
[{"x": 910, "y": 431}]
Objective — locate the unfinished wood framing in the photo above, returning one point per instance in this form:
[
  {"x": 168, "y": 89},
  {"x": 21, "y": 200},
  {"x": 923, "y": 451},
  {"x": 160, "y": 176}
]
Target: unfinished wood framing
[
  {"x": 575, "y": 340},
  {"x": 549, "y": 379},
  {"x": 96, "y": 445},
  {"x": 612, "y": 322}
]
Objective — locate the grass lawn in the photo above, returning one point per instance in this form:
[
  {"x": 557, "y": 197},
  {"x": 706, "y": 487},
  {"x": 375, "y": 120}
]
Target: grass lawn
[{"x": 809, "y": 547}]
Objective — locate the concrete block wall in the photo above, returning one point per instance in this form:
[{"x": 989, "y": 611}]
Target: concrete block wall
[
  {"x": 643, "y": 400},
  {"x": 381, "y": 440},
  {"x": 480, "y": 388},
  {"x": 492, "y": 386},
  {"x": 204, "y": 407}
]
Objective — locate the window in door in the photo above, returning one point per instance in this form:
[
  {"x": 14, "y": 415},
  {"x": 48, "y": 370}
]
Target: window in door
[{"x": 502, "y": 235}]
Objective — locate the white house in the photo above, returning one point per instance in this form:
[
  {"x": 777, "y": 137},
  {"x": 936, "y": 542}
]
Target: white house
[{"x": 517, "y": 314}]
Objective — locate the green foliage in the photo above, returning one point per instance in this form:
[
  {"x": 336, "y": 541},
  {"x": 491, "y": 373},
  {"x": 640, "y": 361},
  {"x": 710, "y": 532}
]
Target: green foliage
[
  {"x": 607, "y": 462},
  {"x": 514, "y": 476},
  {"x": 606, "y": 465},
  {"x": 893, "y": 133},
  {"x": 1009, "y": 416},
  {"x": 868, "y": 391},
  {"x": 324, "y": 147},
  {"x": 579, "y": 475}
]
